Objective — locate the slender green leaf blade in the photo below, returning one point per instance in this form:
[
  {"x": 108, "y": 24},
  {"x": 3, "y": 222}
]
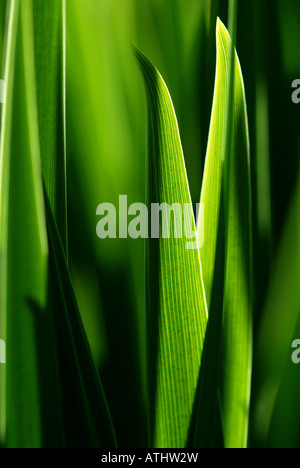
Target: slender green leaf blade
[
  {"x": 24, "y": 254},
  {"x": 49, "y": 43},
  {"x": 212, "y": 180},
  {"x": 4, "y": 188},
  {"x": 237, "y": 339},
  {"x": 94, "y": 426},
  {"x": 2, "y": 32},
  {"x": 206, "y": 429},
  {"x": 87, "y": 400},
  {"x": 226, "y": 186},
  {"x": 176, "y": 306},
  {"x": 93, "y": 422}
]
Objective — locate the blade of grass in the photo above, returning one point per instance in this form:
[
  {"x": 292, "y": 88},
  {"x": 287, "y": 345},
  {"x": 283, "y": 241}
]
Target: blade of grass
[
  {"x": 237, "y": 327},
  {"x": 226, "y": 187},
  {"x": 206, "y": 429},
  {"x": 212, "y": 180},
  {"x": 237, "y": 338},
  {"x": 203, "y": 430},
  {"x": 49, "y": 27},
  {"x": 93, "y": 425},
  {"x": 2, "y": 32},
  {"x": 4, "y": 187},
  {"x": 24, "y": 254},
  {"x": 32, "y": 401},
  {"x": 176, "y": 306}
]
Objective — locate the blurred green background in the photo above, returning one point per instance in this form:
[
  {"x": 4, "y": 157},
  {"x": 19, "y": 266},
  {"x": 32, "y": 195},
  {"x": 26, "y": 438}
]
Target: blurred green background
[
  {"x": 106, "y": 154},
  {"x": 106, "y": 157}
]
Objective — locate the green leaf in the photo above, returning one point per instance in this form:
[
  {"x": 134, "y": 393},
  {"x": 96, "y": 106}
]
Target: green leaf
[
  {"x": 49, "y": 378},
  {"x": 77, "y": 369},
  {"x": 237, "y": 339},
  {"x": 25, "y": 322},
  {"x": 49, "y": 45},
  {"x": 4, "y": 188},
  {"x": 82, "y": 390},
  {"x": 212, "y": 180},
  {"x": 205, "y": 429},
  {"x": 176, "y": 307},
  {"x": 2, "y": 30},
  {"x": 226, "y": 193}
]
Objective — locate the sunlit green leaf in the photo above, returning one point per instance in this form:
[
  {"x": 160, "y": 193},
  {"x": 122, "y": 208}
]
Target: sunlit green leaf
[
  {"x": 226, "y": 194},
  {"x": 176, "y": 308}
]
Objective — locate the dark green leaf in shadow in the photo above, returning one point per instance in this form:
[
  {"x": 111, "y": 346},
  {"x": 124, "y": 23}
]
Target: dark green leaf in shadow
[{"x": 87, "y": 418}]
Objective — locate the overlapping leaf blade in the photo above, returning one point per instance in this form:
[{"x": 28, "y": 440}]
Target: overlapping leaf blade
[
  {"x": 39, "y": 314},
  {"x": 4, "y": 187},
  {"x": 176, "y": 306},
  {"x": 82, "y": 390},
  {"x": 226, "y": 197},
  {"x": 24, "y": 250},
  {"x": 2, "y": 36},
  {"x": 77, "y": 370},
  {"x": 237, "y": 341},
  {"x": 49, "y": 45}
]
